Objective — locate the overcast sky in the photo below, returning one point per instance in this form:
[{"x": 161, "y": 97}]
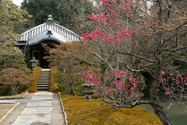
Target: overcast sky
[{"x": 18, "y": 2}]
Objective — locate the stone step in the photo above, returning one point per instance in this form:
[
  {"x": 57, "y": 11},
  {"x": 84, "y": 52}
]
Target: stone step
[
  {"x": 45, "y": 69},
  {"x": 39, "y": 83},
  {"x": 47, "y": 76},
  {"x": 43, "y": 88},
  {"x": 44, "y": 75},
  {"x": 44, "y": 72},
  {"x": 44, "y": 79},
  {"x": 43, "y": 82},
  {"x": 43, "y": 85}
]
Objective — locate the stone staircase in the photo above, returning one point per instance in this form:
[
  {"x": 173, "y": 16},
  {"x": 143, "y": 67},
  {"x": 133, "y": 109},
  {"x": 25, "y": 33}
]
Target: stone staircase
[{"x": 43, "y": 81}]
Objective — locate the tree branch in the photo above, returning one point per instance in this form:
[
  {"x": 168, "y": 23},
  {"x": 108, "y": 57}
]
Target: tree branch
[
  {"x": 104, "y": 60},
  {"x": 139, "y": 57}
]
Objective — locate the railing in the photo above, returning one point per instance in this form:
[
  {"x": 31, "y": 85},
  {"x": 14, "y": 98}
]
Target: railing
[{"x": 53, "y": 27}]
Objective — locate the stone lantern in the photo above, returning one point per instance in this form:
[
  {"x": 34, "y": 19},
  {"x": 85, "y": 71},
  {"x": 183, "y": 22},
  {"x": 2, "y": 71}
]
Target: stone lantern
[
  {"x": 88, "y": 91},
  {"x": 34, "y": 63}
]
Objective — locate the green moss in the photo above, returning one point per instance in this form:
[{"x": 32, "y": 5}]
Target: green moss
[
  {"x": 97, "y": 112},
  {"x": 95, "y": 96},
  {"x": 52, "y": 85},
  {"x": 35, "y": 74}
]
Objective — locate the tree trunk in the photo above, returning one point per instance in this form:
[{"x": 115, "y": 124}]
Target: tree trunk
[
  {"x": 104, "y": 69},
  {"x": 158, "y": 109},
  {"x": 116, "y": 69},
  {"x": 73, "y": 90}
]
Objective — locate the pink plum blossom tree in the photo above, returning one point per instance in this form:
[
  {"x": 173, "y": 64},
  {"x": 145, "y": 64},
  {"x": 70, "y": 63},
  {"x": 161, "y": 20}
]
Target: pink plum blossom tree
[{"x": 136, "y": 36}]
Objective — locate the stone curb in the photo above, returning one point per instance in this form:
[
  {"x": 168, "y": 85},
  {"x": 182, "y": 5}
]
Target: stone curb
[
  {"x": 7, "y": 102},
  {"x": 25, "y": 94},
  {"x": 9, "y": 112},
  {"x": 62, "y": 107},
  {"x": 3, "y": 98}
]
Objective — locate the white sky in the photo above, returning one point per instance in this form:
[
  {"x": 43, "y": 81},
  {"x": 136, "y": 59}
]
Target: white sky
[{"x": 18, "y": 2}]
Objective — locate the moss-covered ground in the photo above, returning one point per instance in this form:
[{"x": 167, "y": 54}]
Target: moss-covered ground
[{"x": 97, "y": 112}]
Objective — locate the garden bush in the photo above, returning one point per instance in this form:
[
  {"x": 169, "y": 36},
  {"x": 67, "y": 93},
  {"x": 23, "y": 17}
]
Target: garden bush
[
  {"x": 16, "y": 80},
  {"x": 4, "y": 90}
]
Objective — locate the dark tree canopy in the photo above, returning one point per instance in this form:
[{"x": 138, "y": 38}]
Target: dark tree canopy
[
  {"x": 40, "y": 9},
  {"x": 67, "y": 13}
]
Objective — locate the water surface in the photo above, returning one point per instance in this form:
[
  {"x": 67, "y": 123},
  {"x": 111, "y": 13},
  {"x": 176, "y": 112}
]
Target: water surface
[{"x": 176, "y": 113}]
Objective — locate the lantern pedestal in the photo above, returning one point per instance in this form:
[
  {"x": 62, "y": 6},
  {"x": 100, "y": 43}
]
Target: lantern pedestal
[
  {"x": 88, "y": 91},
  {"x": 34, "y": 63}
]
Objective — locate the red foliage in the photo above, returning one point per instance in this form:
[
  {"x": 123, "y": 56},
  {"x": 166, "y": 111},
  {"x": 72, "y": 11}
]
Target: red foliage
[{"x": 15, "y": 79}]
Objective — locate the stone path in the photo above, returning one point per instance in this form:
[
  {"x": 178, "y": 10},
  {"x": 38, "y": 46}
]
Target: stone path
[
  {"x": 43, "y": 108},
  {"x": 12, "y": 101}
]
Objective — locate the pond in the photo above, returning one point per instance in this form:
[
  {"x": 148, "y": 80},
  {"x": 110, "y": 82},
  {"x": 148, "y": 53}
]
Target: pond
[{"x": 176, "y": 113}]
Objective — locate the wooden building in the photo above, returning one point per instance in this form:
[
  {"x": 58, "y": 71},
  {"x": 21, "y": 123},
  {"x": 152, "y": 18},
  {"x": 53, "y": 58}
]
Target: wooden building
[{"x": 43, "y": 36}]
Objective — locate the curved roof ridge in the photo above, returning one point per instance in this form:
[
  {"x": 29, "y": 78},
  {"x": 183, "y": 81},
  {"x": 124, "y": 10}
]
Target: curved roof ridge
[
  {"x": 40, "y": 32},
  {"x": 33, "y": 28},
  {"x": 65, "y": 28}
]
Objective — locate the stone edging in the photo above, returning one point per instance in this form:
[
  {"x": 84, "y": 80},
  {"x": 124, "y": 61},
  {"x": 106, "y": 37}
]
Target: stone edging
[
  {"x": 2, "y": 98},
  {"x": 9, "y": 112},
  {"x": 61, "y": 103},
  {"x": 25, "y": 94},
  {"x": 7, "y": 102}
]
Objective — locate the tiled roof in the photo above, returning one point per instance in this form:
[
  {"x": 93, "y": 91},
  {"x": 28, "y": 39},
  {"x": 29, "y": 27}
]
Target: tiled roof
[{"x": 39, "y": 34}]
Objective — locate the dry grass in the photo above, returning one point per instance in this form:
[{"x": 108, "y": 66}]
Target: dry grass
[
  {"x": 4, "y": 108},
  {"x": 97, "y": 112}
]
